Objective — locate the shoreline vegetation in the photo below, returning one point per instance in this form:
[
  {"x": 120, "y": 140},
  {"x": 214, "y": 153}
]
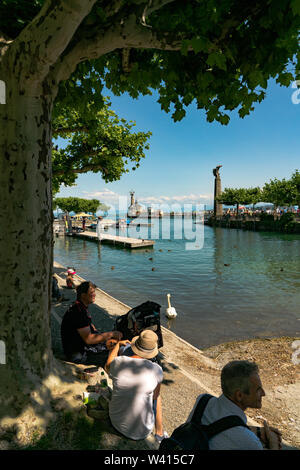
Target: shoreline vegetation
[{"x": 287, "y": 223}]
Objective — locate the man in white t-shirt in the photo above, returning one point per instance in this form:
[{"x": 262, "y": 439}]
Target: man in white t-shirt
[
  {"x": 135, "y": 407},
  {"x": 242, "y": 389}
]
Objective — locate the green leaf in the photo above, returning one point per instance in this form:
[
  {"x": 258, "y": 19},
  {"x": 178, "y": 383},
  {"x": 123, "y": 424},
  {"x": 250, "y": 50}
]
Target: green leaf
[
  {"x": 178, "y": 115},
  {"x": 212, "y": 113},
  {"x": 224, "y": 119},
  {"x": 243, "y": 112},
  {"x": 218, "y": 59},
  {"x": 256, "y": 78},
  {"x": 285, "y": 79},
  {"x": 295, "y": 6},
  {"x": 199, "y": 44},
  {"x": 185, "y": 47}
]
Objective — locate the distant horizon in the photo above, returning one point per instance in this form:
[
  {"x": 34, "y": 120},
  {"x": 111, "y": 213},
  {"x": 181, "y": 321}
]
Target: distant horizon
[{"x": 123, "y": 213}]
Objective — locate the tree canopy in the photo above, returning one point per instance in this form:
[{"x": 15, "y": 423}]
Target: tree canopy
[
  {"x": 295, "y": 180},
  {"x": 220, "y": 54},
  {"x": 235, "y": 196},
  {"x": 76, "y": 204},
  {"x": 97, "y": 142},
  {"x": 285, "y": 192}
]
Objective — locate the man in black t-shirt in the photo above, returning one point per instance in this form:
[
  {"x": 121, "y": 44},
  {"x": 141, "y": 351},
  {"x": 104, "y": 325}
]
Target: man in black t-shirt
[{"x": 82, "y": 343}]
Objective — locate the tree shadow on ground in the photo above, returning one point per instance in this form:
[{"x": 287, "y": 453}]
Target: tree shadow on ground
[
  {"x": 48, "y": 416},
  {"x": 75, "y": 430}
]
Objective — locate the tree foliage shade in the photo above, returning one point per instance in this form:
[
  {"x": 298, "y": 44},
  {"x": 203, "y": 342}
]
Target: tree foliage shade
[
  {"x": 99, "y": 141},
  {"x": 220, "y": 54}
]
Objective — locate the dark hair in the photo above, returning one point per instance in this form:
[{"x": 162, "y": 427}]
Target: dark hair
[
  {"x": 83, "y": 288},
  {"x": 235, "y": 376}
]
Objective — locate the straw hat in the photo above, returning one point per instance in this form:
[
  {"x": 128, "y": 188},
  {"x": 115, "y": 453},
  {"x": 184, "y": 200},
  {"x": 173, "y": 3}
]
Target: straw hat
[{"x": 145, "y": 345}]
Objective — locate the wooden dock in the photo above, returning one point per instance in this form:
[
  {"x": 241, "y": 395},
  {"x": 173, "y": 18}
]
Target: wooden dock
[{"x": 106, "y": 238}]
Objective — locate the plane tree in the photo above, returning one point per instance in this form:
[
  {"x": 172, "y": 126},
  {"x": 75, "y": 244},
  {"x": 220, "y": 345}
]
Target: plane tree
[
  {"x": 234, "y": 197},
  {"x": 96, "y": 141},
  {"x": 253, "y": 196},
  {"x": 77, "y": 204},
  {"x": 295, "y": 180},
  {"x": 219, "y": 55},
  {"x": 279, "y": 192}
]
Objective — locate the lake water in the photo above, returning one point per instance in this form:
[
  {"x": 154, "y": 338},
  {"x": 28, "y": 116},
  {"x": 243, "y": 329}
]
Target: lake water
[{"x": 256, "y": 295}]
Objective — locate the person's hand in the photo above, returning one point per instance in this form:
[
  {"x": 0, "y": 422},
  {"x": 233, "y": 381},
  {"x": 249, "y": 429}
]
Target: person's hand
[
  {"x": 123, "y": 342},
  {"x": 111, "y": 343},
  {"x": 271, "y": 437}
]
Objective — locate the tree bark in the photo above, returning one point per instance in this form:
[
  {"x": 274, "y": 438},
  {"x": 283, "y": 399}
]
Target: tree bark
[
  {"x": 26, "y": 205},
  {"x": 25, "y": 240}
]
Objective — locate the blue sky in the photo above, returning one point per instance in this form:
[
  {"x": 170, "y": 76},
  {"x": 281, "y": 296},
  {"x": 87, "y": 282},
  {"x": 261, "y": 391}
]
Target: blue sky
[{"x": 178, "y": 166}]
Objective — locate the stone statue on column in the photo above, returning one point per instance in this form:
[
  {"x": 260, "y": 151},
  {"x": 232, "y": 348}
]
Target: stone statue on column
[{"x": 218, "y": 207}]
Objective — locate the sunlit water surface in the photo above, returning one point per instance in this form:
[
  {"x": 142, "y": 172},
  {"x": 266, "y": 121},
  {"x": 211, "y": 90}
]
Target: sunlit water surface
[{"x": 238, "y": 285}]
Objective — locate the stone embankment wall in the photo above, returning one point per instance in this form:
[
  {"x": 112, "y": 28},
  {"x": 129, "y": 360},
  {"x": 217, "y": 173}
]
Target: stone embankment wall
[{"x": 256, "y": 225}]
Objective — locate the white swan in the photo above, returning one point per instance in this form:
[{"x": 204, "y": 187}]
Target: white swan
[{"x": 170, "y": 311}]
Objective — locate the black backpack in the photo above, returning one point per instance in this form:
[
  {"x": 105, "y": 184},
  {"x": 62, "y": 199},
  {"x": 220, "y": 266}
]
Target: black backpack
[
  {"x": 146, "y": 315},
  {"x": 196, "y": 436}
]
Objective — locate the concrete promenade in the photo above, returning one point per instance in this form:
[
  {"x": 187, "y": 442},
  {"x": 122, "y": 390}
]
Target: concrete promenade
[{"x": 187, "y": 371}]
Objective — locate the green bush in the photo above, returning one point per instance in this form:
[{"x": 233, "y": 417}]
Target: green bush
[
  {"x": 266, "y": 217},
  {"x": 286, "y": 222}
]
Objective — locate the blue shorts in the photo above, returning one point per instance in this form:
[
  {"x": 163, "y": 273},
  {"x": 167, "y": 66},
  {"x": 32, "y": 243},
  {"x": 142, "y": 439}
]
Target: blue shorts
[{"x": 154, "y": 408}]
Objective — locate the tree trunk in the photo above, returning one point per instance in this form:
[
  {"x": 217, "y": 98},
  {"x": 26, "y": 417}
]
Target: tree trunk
[{"x": 25, "y": 241}]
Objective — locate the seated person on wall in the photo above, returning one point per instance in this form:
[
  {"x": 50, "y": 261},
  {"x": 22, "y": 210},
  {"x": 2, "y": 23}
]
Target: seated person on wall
[
  {"x": 55, "y": 289},
  {"x": 242, "y": 389},
  {"x": 69, "y": 279},
  {"x": 126, "y": 349},
  {"x": 135, "y": 407},
  {"x": 82, "y": 343}
]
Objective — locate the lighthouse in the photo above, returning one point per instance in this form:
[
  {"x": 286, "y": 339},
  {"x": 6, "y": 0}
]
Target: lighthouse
[{"x": 134, "y": 209}]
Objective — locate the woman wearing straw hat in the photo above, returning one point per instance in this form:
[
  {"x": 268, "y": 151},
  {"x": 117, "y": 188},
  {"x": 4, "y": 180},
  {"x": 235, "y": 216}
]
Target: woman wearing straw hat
[{"x": 135, "y": 407}]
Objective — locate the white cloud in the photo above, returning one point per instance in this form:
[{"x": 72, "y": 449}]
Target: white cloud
[
  {"x": 185, "y": 199},
  {"x": 106, "y": 196},
  {"x": 110, "y": 197}
]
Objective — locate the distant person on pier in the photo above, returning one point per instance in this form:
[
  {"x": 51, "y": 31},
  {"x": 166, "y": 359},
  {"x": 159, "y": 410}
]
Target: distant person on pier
[
  {"x": 98, "y": 228},
  {"x": 83, "y": 223},
  {"x": 242, "y": 389},
  {"x": 82, "y": 342},
  {"x": 66, "y": 223},
  {"x": 135, "y": 407}
]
